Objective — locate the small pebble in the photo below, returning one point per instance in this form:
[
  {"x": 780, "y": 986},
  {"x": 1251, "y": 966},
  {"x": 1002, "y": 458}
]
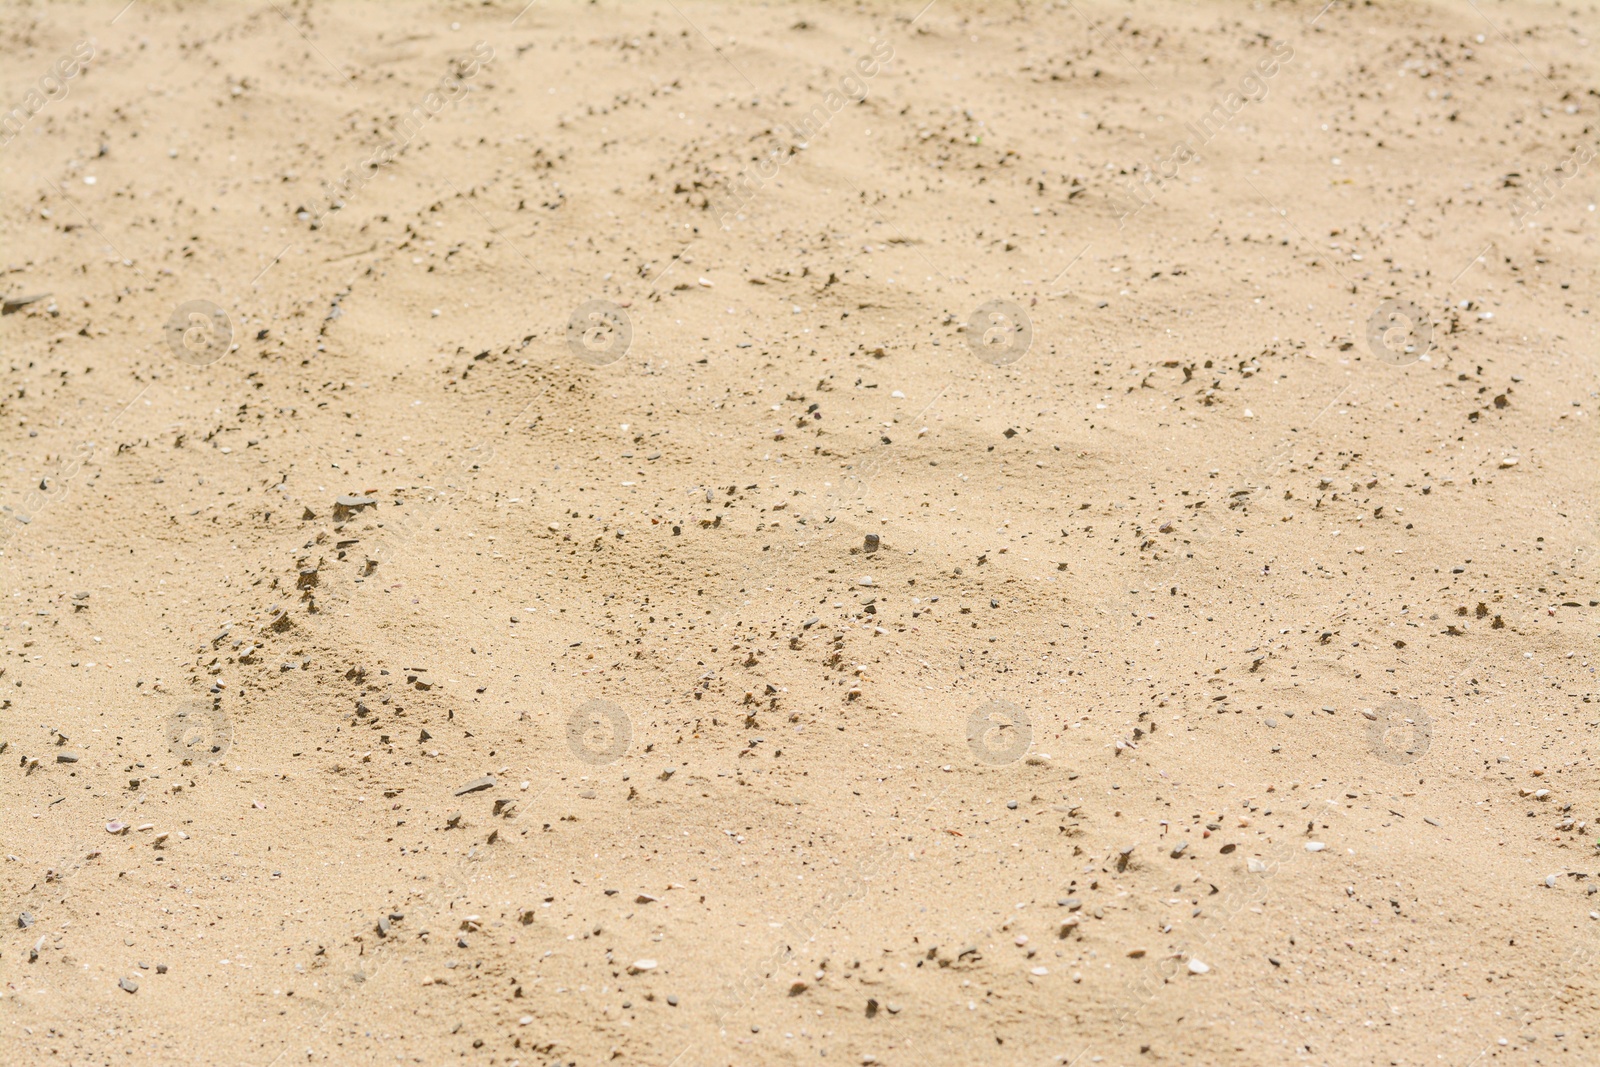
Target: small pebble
[{"x": 476, "y": 785}]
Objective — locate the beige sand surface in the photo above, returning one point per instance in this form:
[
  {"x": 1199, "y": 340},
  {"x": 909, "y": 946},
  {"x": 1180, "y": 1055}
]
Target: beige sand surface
[{"x": 1001, "y": 532}]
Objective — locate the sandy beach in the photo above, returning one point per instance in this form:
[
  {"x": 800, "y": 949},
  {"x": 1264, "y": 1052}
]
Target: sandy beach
[{"x": 680, "y": 533}]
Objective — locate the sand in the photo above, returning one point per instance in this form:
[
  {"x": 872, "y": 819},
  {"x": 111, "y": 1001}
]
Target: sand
[{"x": 700, "y": 533}]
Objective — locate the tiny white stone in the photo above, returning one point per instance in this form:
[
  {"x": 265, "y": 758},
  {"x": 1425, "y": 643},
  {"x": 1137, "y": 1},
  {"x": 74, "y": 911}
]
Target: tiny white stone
[
  {"x": 1196, "y": 967},
  {"x": 1315, "y": 846}
]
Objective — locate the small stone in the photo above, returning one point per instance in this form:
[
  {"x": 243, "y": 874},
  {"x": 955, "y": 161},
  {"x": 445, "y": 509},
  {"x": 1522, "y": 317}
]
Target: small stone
[
  {"x": 347, "y": 503},
  {"x": 1177, "y": 850},
  {"x": 1135, "y": 953},
  {"x": 1012, "y": 804},
  {"x": 645, "y": 898},
  {"x": 641, "y": 966},
  {"x": 66, "y": 757},
  {"x": 131, "y": 985},
  {"x": 476, "y": 785},
  {"x": 25, "y": 920},
  {"x": 797, "y": 987},
  {"x": 1070, "y": 903},
  {"x": 672, "y": 1000},
  {"x": 161, "y": 968},
  {"x": 1196, "y": 967},
  {"x": 1315, "y": 846}
]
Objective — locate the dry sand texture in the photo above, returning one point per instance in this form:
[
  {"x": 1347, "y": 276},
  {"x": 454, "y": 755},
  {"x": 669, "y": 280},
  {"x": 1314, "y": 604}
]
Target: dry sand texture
[{"x": 690, "y": 533}]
